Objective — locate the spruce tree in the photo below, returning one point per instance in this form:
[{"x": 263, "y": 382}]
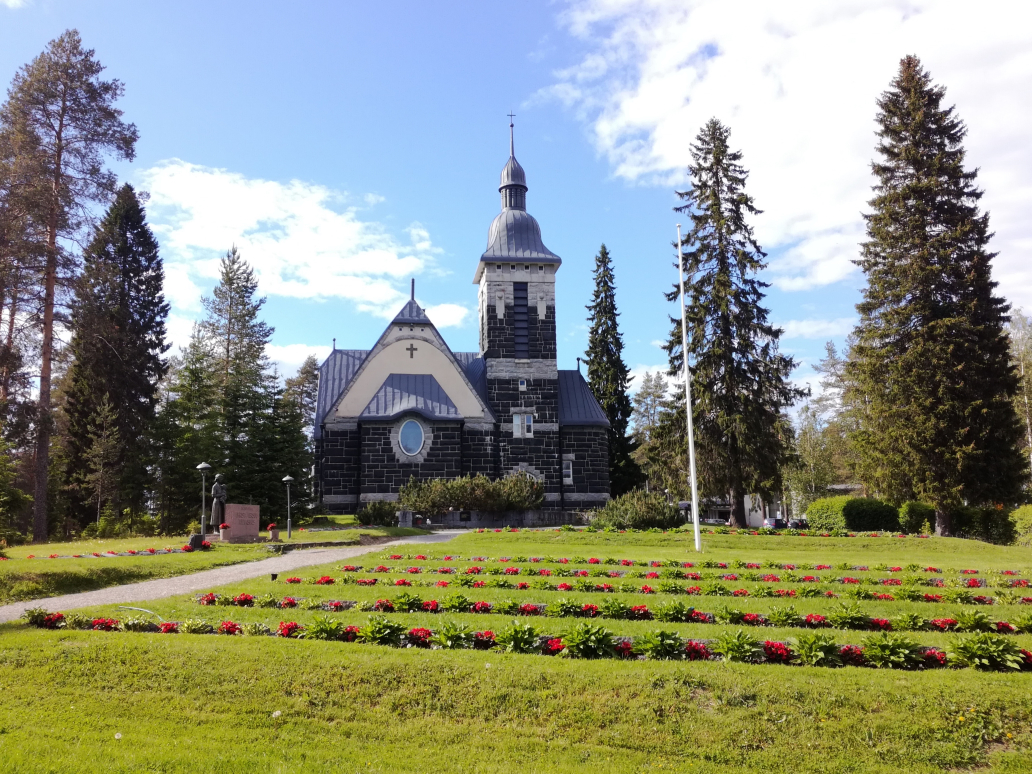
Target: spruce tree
[
  {"x": 303, "y": 390},
  {"x": 609, "y": 377},
  {"x": 118, "y": 343},
  {"x": 739, "y": 379},
  {"x": 931, "y": 382}
]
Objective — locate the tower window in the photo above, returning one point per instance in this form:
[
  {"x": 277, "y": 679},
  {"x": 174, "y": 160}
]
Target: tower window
[
  {"x": 541, "y": 268},
  {"x": 523, "y": 385},
  {"x": 521, "y": 334},
  {"x": 526, "y": 268},
  {"x": 512, "y": 267},
  {"x": 528, "y": 425},
  {"x": 567, "y": 471},
  {"x": 522, "y": 425},
  {"x": 499, "y": 267}
]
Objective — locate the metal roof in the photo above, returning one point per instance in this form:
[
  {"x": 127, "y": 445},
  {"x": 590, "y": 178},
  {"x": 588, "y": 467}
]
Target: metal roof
[
  {"x": 577, "y": 404},
  {"x": 512, "y": 174},
  {"x": 420, "y": 393},
  {"x": 334, "y": 374},
  {"x": 412, "y": 313},
  {"x": 516, "y": 234}
]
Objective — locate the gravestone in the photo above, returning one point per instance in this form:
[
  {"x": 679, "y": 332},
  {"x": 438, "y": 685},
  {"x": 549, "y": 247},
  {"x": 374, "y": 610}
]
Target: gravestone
[{"x": 243, "y": 521}]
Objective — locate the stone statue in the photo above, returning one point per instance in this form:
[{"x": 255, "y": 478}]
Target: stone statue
[{"x": 218, "y": 502}]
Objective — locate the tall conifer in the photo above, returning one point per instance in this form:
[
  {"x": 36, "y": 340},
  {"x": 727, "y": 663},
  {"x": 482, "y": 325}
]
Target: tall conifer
[
  {"x": 931, "y": 386},
  {"x": 118, "y": 343},
  {"x": 739, "y": 379},
  {"x": 609, "y": 377}
]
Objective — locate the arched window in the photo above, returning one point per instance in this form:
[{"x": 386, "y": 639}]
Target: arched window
[{"x": 410, "y": 437}]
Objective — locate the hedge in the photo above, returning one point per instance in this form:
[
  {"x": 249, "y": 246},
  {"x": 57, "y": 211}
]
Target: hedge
[
  {"x": 913, "y": 515},
  {"x": 860, "y": 514},
  {"x": 638, "y": 509}
]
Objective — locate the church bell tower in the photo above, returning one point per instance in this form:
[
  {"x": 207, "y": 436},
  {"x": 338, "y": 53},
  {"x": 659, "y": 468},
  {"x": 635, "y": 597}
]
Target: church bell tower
[{"x": 516, "y": 278}]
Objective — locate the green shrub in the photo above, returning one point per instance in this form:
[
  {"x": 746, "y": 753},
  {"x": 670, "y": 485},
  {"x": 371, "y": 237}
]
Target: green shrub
[
  {"x": 816, "y": 649},
  {"x": 323, "y": 628},
  {"x": 457, "y": 603},
  {"x": 78, "y": 621},
  {"x": 888, "y": 650},
  {"x": 380, "y": 513},
  {"x": 516, "y": 492},
  {"x": 909, "y": 622},
  {"x": 408, "y": 603},
  {"x": 452, "y": 635},
  {"x": 659, "y": 644},
  {"x": 193, "y": 626},
  {"x": 859, "y": 514},
  {"x": 1023, "y": 623},
  {"x": 974, "y": 621},
  {"x": 783, "y": 616},
  {"x": 992, "y": 525},
  {"x": 638, "y": 509},
  {"x": 518, "y": 638},
  {"x": 255, "y": 630},
  {"x": 563, "y": 608},
  {"x": 506, "y": 607},
  {"x": 138, "y": 624},
  {"x": 588, "y": 640},
  {"x": 1022, "y": 518},
  {"x": 913, "y": 515},
  {"x": 34, "y": 616},
  {"x": 674, "y": 611},
  {"x": 986, "y": 651},
  {"x": 849, "y": 617},
  {"x": 728, "y": 615},
  {"x": 614, "y": 608},
  {"x": 382, "y": 631},
  {"x": 738, "y": 645}
]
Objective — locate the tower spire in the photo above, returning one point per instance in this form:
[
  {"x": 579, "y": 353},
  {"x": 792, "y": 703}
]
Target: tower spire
[
  {"x": 413, "y": 288},
  {"x": 512, "y": 149}
]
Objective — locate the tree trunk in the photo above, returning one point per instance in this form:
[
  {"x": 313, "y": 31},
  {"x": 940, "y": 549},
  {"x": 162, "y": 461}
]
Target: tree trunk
[
  {"x": 43, "y": 420},
  {"x": 943, "y": 523},
  {"x": 738, "y": 509}
]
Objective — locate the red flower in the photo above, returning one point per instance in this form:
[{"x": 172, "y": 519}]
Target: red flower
[
  {"x": 474, "y": 570},
  {"x": 430, "y": 606},
  {"x": 788, "y": 567},
  {"x": 729, "y": 577},
  {"x": 334, "y": 606},
  {"x": 752, "y": 566},
  {"x": 553, "y": 646},
  {"x": 512, "y": 570},
  {"x": 1005, "y": 628},
  {"x": 523, "y": 585},
  {"x": 722, "y": 565},
  {"x": 534, "y": 560},
  {"x": 480, "y": 607},
  {"x": 831, "y": 594},
  {"x": 891, "y": 582},
  {"x": 243, "y": 600},
  {"x": 325, "y": 580},
  {"x": 229, "y": 627},
  {"x": 933, "y": 597},
  {"x": 151, "y": 550},
  {"x": 652, "y": 575},
  {"x": 687, "y": 564},
  {"x": 414, "y": 570},
  {"x": 402, "y": 582},
  {"x": 185, "y": 549},
  {"x": 289, "y": 629},
  {"x": 784, "y": 592},
  {"x": 655, "y": 564},
  {"x": 627, "y": 562},
  {"x": 479, "y": 584},
  {"x": 700, "y": 617},
  {"x": 693, "y": 590},
  {"x": 881, "y": 624},
  {"x": 895, "y": 569},
  {"x": 1019, "y": 584},
  {"x": 292, "y": 580},
  {"x": 288, "y": 602},
  {"x": 770, "y": 579},
  {"x": 564, "y": 587},
  {"x": 563, "y": 560},
  {"x": 739, "y": 593},
  {"x": 593, "y": 560},
  {"x": 483, "y": 640},
  {"x": 640, "y": 612},
  {"x": 1026, "y": 600},
  {"x": 208, "y": 599},
  {"x": 624, "y": 649},
  {"x": 936, "y": 570},
  {"x": 381, "y": 568},
  {"x": 394, "y": 557},
  {"x": 851, "y": 655},
  {"x": 849, "y": 580},
  {"x": 822, "y": 567},
  {"x": 366, "y": 581},
  {"x": 885, "y": 597},
  {"x": 814, "y": 620},
  {"x": 54, "y": 556},
  {"x": 937, "y": 582},
  {"x": 692, "y": 576},
  {"x": 53, "y": 621},
  {"x": 969, "y": 572},
  {"x": 445, "y": 570},
  {"x": 697, "y": 651},
  {"x": 581, "y": 573},
  {"x": 777, "y": 652},
  {"x": 753, "y": 619},
  {"x": 810, "y": 579},
  {"x": 419, "y": 637},
  {"x": 604, "y": 587},
  {"x": 420, "y": 558},
  {"x": 383, "y": 606},
  {"x": 168, "y": 627},
  {"x": 647, "y": 590},
  {"x": 983, "y": 600},
  {"x": 349, "y": 568},
  {"x": 934, "y": 658},
  {"x": 529, "y": 609},
  {"x": 589, "y": 610},
  {"x": 350, "y": 633},
  {"x": 270, "y": 528},
  {"x": 104, "y": 624}
]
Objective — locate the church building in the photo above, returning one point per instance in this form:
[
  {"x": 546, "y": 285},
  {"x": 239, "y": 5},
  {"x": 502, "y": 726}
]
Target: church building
[{"x": 410, "y": 406}]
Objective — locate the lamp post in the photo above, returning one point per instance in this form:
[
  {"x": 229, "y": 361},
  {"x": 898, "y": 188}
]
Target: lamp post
[
  {"x": 204, "y": 467},
  {"x": 287, "y": 480}
]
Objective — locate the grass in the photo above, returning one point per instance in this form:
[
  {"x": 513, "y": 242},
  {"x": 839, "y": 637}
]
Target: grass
[
  {"x": 201, "y": 703},
  {"x": 22, "y": 578}
]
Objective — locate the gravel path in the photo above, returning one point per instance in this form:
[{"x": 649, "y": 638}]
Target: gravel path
[{"x": 200, "y": 581}]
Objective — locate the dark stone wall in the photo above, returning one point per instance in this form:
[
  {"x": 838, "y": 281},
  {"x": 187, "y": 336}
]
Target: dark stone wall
[
  {"x": 543, "y": 394},
  {"x": 590, "y": 449},
  {"x": 480, "y": 452},
  {"x": 337, "y": 457},
  {"x": 498, "y": 338},
  {"x": 383, "y": 473}
]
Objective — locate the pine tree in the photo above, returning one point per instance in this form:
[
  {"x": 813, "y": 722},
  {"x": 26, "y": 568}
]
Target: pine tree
[
  {"x": 102, "y": 454},
  {"x": 609, "y": 377},
  {"x": 739, "y": 379},
  {"x": 1020, "y": 331},
  {"x": 809, "y": 475},
  {"x": 62, "y": 117},
  {"x": 932, "y": 386},
  {"x": 303, "y": 390},
  {"x": 646, "y": 414},
  {"x": 118, "y": 324}
]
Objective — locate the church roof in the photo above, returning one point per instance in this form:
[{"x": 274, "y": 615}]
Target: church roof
[
  {"x": 412, "y": 313},
  {"x": 577, "y": 404},
  {"x": 516, "y": 234},
  {"x": 410, "y": 392}
]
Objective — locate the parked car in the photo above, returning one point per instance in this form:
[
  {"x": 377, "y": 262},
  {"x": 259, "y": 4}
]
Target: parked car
[
  {"x": 798, "y": 524},
  {"x": 775, "y": 522}
]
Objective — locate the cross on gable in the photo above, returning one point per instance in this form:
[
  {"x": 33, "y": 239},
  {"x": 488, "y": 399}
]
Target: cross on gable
[{"x": 411, "y": 349}]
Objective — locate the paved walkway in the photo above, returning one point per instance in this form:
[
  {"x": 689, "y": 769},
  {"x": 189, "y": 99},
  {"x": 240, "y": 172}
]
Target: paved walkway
[{"x": 207, "y": 579}]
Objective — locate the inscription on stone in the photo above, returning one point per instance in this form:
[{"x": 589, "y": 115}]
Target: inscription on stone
[{"x": 243, "y": 521}]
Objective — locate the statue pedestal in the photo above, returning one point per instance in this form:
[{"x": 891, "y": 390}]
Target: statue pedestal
[{"x": 243, "y": 523}]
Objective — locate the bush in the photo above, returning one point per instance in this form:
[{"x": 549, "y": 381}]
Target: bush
[
  {"x": 382, "y": 631},
  {"x": 638, "y": 509},
  {"x": 816, "y": 649},
  {"x": 1022, "y": 518},
  {"x": 659, "y": 644},
  {"x": 986, "y": 651},
  {"x": 518, "y": 638},
  {"x": 322, "y": 628},
  {"x": 892, "y": 651},
  {"x": 379, "y": 514},
  {"x": 738, "y": 646},
  {"x": 992, "y": 525},
  {"x": 860, "y": 514},
  {"x": 452, "y": 635},
  {"x": 913, "y": 515},
  {"x": 588, "y": 641},
  {"x": 434, "y": 497}
]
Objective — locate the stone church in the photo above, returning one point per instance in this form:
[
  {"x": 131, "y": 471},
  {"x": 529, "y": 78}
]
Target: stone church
[{"x": 411, "y": 406}]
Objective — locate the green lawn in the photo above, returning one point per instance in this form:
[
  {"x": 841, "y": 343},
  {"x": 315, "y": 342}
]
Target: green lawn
[
  {"x": 209, "y": 703},
  {"x": 22, "y": 578}
]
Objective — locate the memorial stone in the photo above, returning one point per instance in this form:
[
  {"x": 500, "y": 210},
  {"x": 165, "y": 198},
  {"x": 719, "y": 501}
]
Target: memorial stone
[{"x": 243, "y": 521}]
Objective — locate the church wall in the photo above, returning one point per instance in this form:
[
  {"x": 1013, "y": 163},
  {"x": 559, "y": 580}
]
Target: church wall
[
  {"x": 480, "y": 451},
  {"x": 383, "y": 474},
  {"x": 337, "y": 457},
  {"x": 588, "y": 449}
]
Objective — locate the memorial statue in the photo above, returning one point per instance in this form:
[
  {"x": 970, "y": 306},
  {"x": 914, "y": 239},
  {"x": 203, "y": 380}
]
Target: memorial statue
[{"x": 218, "y": 502}]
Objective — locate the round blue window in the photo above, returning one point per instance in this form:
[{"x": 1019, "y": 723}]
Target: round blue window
[{"x": 411, "y": 437}]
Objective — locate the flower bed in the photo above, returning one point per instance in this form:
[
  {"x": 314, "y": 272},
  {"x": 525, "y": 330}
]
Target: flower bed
[{"x": 186, "y": 549}]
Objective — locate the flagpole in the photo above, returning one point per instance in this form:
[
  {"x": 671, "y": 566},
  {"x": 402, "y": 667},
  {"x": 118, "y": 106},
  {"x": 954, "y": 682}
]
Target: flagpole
[{"x": 696, "y": 516}]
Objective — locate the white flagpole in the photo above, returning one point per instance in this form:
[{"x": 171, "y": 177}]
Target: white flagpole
[{"x": 696, "y": 516}]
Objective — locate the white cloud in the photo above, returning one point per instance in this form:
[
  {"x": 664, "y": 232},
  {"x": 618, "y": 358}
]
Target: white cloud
[
  {"x": 289, "y": 357},
  {"x": 658, "y": 343},
  {"x": 816, "y": 329},
  {"x": 447, "y": 315},
  {"x": 303, "y": 240},
  {"x": 14, "y": 3},
  {"x": 639, "y": 371},
  {"x": 178, "y": 329},
  {"x": 797, "y": 84}
]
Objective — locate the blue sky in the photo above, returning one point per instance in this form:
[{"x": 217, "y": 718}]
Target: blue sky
[{"x": 347, "y": 147}]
